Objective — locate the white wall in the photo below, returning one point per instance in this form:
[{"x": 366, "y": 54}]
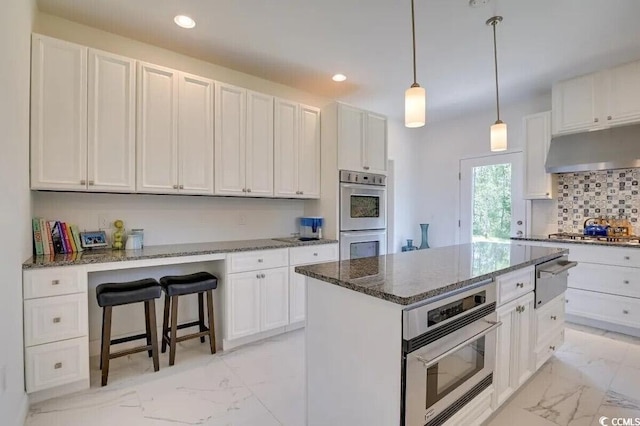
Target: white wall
[
  {"x": 15, "y": 40},
  {"x": 437, "y": 161}
]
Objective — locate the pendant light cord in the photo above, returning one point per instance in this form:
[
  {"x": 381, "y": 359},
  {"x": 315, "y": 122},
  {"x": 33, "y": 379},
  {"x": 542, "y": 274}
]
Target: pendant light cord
[
  {"x": 413, "y": 33},
  {"x": 495, "y": 62}
]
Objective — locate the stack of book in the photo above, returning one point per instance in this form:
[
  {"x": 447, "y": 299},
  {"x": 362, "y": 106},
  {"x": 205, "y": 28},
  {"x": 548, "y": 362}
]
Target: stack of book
[{"x": 55, "y": 237}]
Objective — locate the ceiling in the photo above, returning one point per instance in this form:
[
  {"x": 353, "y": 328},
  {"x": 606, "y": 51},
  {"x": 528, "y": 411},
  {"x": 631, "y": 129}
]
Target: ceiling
[{"x": 302, "y": 43}]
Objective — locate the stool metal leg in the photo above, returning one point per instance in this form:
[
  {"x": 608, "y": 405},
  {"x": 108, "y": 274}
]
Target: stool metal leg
[
  {"x": 201, "y": 314},
  {"x": 147, "y": 326},
  {"x": 174, "y": 329},
  {"x": 150, "y": 307},
  {"x": 165, "y": 323},
  {"x": 106, "y": 343},
  {"x": 212, "y": 332}
]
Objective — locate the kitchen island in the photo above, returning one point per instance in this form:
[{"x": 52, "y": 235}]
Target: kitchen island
[{"x": 354, "y": 332}]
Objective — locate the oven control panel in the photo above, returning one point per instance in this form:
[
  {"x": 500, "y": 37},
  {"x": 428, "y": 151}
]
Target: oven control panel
[{"x": 347, "y": 176}]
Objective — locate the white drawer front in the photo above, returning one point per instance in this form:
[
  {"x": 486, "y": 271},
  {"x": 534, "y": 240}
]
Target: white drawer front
[
  {"x": 313, "y": 254},
  {"x": 606, "y": 279},
  {"x": 607, "y": 255},
  {"x": 54, "y": 282},
  {"x": 545, "y": 352},
  {"x": 55, "y": 318},
  {"x": 604, "y": 307},
  {"x": 550, "y": 320},
  {"x": 56, "y": 364},
  {"x": 515, "y": 284},
  {"x": 256, "y": 260}
]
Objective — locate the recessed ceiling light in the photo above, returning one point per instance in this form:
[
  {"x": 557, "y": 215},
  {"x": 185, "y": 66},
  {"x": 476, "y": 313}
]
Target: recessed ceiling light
[
  {"x": 339, "y": 77},
  {"x": 184, "y": 21}
]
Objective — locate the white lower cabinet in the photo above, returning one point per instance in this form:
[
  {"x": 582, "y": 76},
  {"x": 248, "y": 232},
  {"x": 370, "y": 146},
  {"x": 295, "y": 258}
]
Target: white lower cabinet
[
  {"x": 514, "y": 353},
  {"x": 56, "y": 363},
  {"x": 274, "y": 298},
  {"x": 297, "y": 294}
]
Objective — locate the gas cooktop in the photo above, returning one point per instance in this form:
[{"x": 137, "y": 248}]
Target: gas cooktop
[{"x": 607, "y": 238}]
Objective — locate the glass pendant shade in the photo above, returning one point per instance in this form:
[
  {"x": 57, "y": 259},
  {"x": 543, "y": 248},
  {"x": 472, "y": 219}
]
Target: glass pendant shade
[
  {"x": 498, "y": 136},
  {"x": 415, "y": 106}
]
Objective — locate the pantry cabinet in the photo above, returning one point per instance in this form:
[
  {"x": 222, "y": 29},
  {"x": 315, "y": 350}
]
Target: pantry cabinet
[
  {"x": 297, "y": 148},
  {"x": 537, "y": 133},
  {"x": 362, "y": 140},
  {"x": 599, "y": 100}
]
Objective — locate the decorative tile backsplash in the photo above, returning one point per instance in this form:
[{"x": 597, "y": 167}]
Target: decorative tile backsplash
[{"x": 612, "y": 193}]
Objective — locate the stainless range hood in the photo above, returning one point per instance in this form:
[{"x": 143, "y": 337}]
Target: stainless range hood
[{"x": 614, "y": 148}]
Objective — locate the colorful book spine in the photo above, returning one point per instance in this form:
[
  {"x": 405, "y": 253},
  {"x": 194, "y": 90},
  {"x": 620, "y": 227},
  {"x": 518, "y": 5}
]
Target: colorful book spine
[
  {"x": 57, "y": 238},
  {"x": 75, "y": 232},
  {"x": 65, "y": 238},
  {"x": 47, "y": 230},
  {"x": 45, "y": 239},
  {"x": 71, "y": 240},
  {"x": 37, "y": 237}
]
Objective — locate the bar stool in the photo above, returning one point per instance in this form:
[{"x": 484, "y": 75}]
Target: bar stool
[
  {"x": 125, "y": 293},
  {"x": 179, "y": 285}
]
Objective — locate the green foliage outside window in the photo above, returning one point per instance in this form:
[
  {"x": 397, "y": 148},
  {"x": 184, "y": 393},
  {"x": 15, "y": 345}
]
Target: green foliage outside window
[{"x": 492, "y": 202}]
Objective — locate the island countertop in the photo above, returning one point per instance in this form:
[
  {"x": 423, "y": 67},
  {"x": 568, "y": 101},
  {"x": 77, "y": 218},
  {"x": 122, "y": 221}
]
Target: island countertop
[{"x": 412, "y": 277}]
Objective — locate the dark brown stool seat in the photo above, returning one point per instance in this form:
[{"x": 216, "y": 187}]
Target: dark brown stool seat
[
  {"x": 179, "y": 285},
  {"x": 125, "y": 293}
]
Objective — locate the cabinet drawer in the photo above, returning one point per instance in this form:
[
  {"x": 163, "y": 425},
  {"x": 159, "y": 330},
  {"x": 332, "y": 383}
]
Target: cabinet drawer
[
  {"x": 256, "y": 260},
  {"x": 515, "y": 284},
  {"x": 54, "y": 282},
  {"x": 606, "y": 279},
  {"x": 617, "y": 256},
  {"x": 313, "y": 254},
  {"x": 604, "y": 307},
  {"x": 545, "y": 352},
  {"x": 55, "y": 318},
  {"x": 56, "y": 364},
  {"x": 549, "y": 320}
]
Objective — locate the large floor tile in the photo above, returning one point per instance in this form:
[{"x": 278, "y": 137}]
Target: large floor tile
[
  {"x": 507, "y": 416},
  {"x": 627, "y": 382}
]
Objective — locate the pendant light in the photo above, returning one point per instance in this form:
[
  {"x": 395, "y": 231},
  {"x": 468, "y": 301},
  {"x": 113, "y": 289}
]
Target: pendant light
[
  {"x": 415, "y": 102},
  {"x": 499, "y": 128}
]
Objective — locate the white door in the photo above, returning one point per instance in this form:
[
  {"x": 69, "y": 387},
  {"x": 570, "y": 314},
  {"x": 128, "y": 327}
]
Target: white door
[
  {"x": 525, "y": 350},
  {"x": 622, "y": 88},
  {"x": 259, "y": 151},
  {"x": 575, "y": 104},
  {"x": 286, "y": 149},
  {"x": 491, "y": 204},
  {"x": 111, "y": 123},
  {"x": 195, "y": 135},
  {"x": 230, "y": 142},
  {"x": 297, "y": 295},
  {"x": 537, "y": 135},
  {"x": 243, "y": 304},
  {"x": 309, "y": 152},
  {"x": 58, "y": 115},
  {"x": 274, "y": 298},
  {"x": 157, "y": 147},
  {"x": 351, "y": 134},
  {"x": 375, "y": 144}
]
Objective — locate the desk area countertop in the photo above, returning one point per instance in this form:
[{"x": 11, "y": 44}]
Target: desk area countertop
[
  {"x": 412, "y": 277},
  {"x": 165, "y": 251}
]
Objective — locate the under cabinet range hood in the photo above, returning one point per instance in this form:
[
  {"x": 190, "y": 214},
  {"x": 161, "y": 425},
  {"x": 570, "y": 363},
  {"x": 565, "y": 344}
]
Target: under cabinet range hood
[{"x": 613, "y": 148}]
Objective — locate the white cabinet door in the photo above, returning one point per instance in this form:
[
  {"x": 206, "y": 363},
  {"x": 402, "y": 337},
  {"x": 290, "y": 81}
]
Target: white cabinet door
[
  {"x": 259, "y": 146},
  {"x": 230, "y": 142},
  {"x": 525, "y": 362},
  {"x": 195, "y": 135},
  {"x": 274, "y": 298},
  {"x": 242, "y": 311},
  {"x": 297, "y": 295},
  {"x": 575, "y": 104},
  {"x": 504, "y": 363},
  {"x": 537, "y": 133},
  {"x": 157, "y": 147},
  {"x": 622, "y": 90},
  {"x": 286, "y": 149},
  {"x": 351, "y": 134},
  {"x": 375, "y": 146},
  {"x": 111, "y": 145},
  {"x": 58, "y": 115},
  {"x": 309, "y": 152}
]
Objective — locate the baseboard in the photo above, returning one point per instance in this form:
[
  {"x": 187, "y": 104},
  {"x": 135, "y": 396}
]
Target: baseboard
[
  {"x": 57, "y": 391},
  {"x": 603, "y": 325}
]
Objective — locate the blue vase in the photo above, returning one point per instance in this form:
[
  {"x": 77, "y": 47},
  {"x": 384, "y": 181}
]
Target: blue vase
[
  {"x": 425, "y": 236},
  {"x": 409, "y": 246}
]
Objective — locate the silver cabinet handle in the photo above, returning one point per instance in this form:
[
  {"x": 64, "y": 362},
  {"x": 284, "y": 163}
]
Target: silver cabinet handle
[
  {"x": 553, "y": 348},
  {"x": 181, "y": 186},
  {"x": 626, "y": 281},
  {"x": 244, "y": 189},
  {"x": 248, "y": 189},
  {"x": 553, "y": 317},
  {"x": 56, "y": 320},
  {"x": 91, "y": 183},
  {"x": 175, "y": 186},
  {"x": 83, "y": 182},
  {"x": 262, "y": 275},
  {"x": 315, "y": 254},
  {"x": 608, "y": 117},
  {"x": 57, "y": 365},
  {"x": 521, "y": 285},
  {"x": 595, "y": 120},
  {"x": 260, "y": 260},
  {"x": 366, "y": 167},
  {"x": 258, "y": 276},
  {"x": 625, "y": 311},
  {"x": 55, "y": 282},
  {"x": 627, "y": 258},
  {"x": 547, "y": 194}
]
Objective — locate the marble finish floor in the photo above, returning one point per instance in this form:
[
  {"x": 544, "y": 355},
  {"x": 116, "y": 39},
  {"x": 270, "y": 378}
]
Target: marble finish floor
[{"x": 594, "y": 374}]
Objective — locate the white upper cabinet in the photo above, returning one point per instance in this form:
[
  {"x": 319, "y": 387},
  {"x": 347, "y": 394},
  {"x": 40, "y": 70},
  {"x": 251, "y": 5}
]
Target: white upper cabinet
[
  {"x": 195, "y": 135},
  {"x": 58, "y": 115},
  {"x": 297, "y": 147},
  {"x": 362, "y": 140},
  {"x": 230, "y": 140},
  {"x": 157, "y": 129},
  {"x": 598, "y": 100},
  {"x": 259, "y": 145},
  {"x": 111, "y": 123},
  {"x": 537, "y": 133}
]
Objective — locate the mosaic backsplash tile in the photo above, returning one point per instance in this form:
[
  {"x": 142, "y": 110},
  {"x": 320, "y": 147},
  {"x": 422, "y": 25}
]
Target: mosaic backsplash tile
[{"x": 612, "y": 193}]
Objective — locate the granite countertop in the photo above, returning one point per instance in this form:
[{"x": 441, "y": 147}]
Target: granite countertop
[
  {"x": 415, "y": 276},
  {"x": 546, "y": 239},
  {"x": 162, "y": 251}
]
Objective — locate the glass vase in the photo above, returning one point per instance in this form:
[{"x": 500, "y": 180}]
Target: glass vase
[{"x": 424, "y": 227}]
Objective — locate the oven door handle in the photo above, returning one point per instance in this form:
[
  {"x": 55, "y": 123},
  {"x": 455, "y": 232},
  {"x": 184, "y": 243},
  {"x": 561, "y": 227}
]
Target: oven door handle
[
  {"x": 429, "y": 362},
  {"x": 363, "y": 186},
  {"x": 544, "y": 273}
]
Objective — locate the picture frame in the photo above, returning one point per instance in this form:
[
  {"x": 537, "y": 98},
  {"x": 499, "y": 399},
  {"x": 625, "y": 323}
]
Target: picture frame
[{"x": 93, "y": 239}]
